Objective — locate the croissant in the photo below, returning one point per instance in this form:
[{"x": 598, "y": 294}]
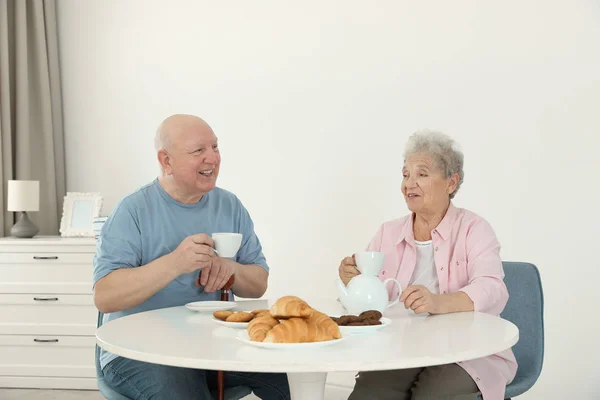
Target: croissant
[
  {"x": 290, "y": 306},
  {"x": 325, "y": 323},
  {"x": 259, "y": 326},
  {"x": 301, "y": 330},
  {"x": 293, "y": 330}
]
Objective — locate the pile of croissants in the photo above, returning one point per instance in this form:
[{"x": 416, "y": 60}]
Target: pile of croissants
[{"x": 292, "y": 320}]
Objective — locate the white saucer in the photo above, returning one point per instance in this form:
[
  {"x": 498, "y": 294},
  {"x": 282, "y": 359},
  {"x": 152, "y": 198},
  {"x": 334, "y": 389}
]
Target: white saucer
[
  {"x": 234, "y": 325},
  {"x": 357, "y": 330},
  {"x": 210, "y": 306},
  {"x": 244, "y": 338}
]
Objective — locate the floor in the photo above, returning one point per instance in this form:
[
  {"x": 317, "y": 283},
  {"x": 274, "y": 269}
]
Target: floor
[{"x": 46, "y": 394}]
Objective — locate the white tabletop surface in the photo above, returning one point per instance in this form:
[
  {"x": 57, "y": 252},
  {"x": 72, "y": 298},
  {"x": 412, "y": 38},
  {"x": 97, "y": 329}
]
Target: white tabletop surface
[{"x": 180, "y": 337}]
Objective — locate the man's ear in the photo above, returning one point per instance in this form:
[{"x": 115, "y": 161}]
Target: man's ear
[{"x": 165, "y": 161}]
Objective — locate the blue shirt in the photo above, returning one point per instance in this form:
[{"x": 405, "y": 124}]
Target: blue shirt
[{"x": 149, "y": 223}]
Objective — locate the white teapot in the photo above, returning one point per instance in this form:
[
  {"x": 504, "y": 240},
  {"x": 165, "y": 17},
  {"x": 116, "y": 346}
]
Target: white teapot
[{"x": 365, "y": 291}]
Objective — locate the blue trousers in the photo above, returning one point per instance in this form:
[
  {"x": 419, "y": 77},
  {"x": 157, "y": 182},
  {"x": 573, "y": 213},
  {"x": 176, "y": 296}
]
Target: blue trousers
[{"x": 144, "y": 381}]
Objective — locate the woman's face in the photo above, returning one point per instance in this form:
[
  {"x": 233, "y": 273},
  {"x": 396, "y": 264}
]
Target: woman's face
[{"x": 426, "y": 190}]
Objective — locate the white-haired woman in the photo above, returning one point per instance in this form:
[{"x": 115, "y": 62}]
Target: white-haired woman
[{"x": 447, "y": 260}]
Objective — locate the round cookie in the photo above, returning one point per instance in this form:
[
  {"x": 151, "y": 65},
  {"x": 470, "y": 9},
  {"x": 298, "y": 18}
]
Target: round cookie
[
  {"x": 241, "y": 316},
  {"x": 359, "y": 323},
  {"x": 371, "y": 314},
  {"x": 222, "y": 315},
  {"x": 348, "y": 319}
]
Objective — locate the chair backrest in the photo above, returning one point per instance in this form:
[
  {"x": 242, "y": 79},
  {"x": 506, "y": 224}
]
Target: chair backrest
[
  {"x": 99, "y": 374},
  {"x": 525, "y": 309},
  {"x": 103, "y": 387}
]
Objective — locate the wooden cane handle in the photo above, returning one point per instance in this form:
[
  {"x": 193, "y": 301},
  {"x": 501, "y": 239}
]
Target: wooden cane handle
[
  {"x": 225, "y": 290},
  {"x": 229, "y": 283}
]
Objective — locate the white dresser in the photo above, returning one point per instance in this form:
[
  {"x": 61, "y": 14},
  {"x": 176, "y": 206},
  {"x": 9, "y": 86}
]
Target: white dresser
[{"x": 47, "y": 313}]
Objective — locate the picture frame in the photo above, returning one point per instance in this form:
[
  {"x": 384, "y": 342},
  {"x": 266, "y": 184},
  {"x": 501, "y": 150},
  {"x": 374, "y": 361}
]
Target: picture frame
[{"x": 79, "y": 210}]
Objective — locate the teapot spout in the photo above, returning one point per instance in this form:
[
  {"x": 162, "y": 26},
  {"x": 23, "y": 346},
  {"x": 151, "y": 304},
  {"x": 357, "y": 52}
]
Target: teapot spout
[{"x": 342, "y": 293}]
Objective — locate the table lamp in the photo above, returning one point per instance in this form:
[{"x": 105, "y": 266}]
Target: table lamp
[{"x": 23, "y": 196}]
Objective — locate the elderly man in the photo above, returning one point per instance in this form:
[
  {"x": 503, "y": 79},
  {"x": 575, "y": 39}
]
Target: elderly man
[{"x": 155, "y": 245}]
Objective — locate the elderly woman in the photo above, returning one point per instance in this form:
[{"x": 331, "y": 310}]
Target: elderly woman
[{"x": 447, "y": 259}]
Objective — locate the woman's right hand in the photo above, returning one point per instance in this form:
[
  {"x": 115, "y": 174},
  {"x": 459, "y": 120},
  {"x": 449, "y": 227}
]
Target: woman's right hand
[{"x": 348, "y": 269}]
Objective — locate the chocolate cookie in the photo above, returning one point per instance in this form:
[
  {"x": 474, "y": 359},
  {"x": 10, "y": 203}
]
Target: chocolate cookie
[
  {"x": 348, "y": 319},
  {"x": 371, "y": 314},
  {"x": 371, "y": 322}
]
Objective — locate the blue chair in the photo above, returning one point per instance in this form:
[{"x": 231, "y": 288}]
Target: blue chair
[
  {"x": 233, "y": 393},
  {"x": 106, "y": 390},
  {"x": 525, "y": 309}
]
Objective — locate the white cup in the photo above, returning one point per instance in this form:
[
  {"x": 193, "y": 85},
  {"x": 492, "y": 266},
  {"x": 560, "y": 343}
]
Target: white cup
[
  {"x": 369, "y": 262},
  {"x": 227, "y": 244}
]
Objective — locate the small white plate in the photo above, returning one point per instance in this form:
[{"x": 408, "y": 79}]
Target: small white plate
[
  {"x": 244, "y": 338},
  {"x": 210, "y": 306},
  {"x": 234, "y": 325},
  {"x": 358, "y": 330}
]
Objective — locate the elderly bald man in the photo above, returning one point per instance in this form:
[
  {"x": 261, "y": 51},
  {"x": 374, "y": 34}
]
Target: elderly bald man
[{"x": 154, "y": 245}]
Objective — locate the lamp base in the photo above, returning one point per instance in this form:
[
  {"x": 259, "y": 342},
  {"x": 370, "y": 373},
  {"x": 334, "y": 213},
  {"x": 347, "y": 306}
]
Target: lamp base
[{"x": 24, "y": 228}]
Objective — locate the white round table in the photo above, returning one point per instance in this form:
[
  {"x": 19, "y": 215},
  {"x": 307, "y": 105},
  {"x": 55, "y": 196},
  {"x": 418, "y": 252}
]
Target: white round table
[{"x": 179, "y": 337}]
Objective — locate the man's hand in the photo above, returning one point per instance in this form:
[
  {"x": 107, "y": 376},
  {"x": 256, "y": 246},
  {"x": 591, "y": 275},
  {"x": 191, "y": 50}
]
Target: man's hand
[
  {"x": 217, "y": 274},
  {"x": 347, "y": 269},
  {"x": 419, "y": 299},
  {"x": 193, "y": 253}
]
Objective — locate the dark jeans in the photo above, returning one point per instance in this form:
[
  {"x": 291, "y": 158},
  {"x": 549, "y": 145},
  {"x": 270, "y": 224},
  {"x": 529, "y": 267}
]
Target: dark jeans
[{"x": 144, "y": 381}]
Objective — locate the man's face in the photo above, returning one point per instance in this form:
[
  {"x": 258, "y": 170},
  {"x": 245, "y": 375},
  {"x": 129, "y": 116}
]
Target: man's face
[{"x": 194, "y": 159}]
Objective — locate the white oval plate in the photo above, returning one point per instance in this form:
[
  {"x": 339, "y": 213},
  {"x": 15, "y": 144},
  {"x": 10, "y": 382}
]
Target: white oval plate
[
  {"x": 244, "y": 338},
  {"x": 234, "y": 325},
  {"x": 210, "y": 306},
  {"x": 358, "y": 330}
]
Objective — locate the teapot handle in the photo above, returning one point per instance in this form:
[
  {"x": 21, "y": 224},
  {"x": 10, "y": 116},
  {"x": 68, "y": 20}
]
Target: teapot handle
[{"x": 391, "y": 303}]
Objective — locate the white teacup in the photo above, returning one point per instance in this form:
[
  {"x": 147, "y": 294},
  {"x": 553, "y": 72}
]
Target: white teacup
[
  {"x": 227, "y": 244},
  {"x": 369, "y": 262}
]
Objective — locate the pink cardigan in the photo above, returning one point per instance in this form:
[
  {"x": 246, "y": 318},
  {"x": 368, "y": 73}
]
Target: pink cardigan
[{"x": 467, "y": 259}]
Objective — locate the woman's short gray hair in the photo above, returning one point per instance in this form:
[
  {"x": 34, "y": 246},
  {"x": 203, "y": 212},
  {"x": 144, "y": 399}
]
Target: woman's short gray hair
[{"x": 443, "y": 150}]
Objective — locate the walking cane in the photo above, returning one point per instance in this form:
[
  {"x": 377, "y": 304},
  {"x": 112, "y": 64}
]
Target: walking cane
[{"x": 220, "y": 374}]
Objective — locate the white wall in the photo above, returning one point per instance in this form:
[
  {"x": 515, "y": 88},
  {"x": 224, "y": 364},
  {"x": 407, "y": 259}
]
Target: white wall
[{"x": 313, "y": 102}]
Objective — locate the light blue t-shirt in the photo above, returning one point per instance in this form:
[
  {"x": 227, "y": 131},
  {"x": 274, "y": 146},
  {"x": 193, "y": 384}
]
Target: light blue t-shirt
[{"x": 149, "y": 223}]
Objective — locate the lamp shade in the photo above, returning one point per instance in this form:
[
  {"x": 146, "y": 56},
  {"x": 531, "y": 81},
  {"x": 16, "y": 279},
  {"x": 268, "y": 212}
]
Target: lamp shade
[{"x": 23, "y": 196}]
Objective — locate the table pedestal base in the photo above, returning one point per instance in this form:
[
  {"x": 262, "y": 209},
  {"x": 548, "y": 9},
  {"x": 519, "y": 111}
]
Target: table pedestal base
[{"x": 307, "y": 386}]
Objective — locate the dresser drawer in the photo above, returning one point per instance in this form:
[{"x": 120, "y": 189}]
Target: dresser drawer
[
  {"x": 46, "y": 278},
  {"x": 47, "y": 258},
  {"x": 48, "y": 244},
  {"x": 53, "y": 314},
  {"x": 50, "y": 356}
]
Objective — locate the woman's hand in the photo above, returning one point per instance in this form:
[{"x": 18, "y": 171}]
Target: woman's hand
[
  {"x": 348, "y": 269},
  {"x": 419, "y": 299}
]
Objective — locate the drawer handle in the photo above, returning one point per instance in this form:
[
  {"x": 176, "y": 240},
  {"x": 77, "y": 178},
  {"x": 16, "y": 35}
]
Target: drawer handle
[
  {"x": 45, "y": 258},
  {"x": 46, "y": 340},
  {"x": 45, "y": 298}
]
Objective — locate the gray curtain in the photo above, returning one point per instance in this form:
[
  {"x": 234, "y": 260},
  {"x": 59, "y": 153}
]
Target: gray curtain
[{"x": 31, "y": 130}]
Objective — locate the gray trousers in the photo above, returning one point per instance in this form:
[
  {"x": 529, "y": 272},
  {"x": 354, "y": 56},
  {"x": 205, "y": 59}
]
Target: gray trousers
[{"x": 448, "y": 382}]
